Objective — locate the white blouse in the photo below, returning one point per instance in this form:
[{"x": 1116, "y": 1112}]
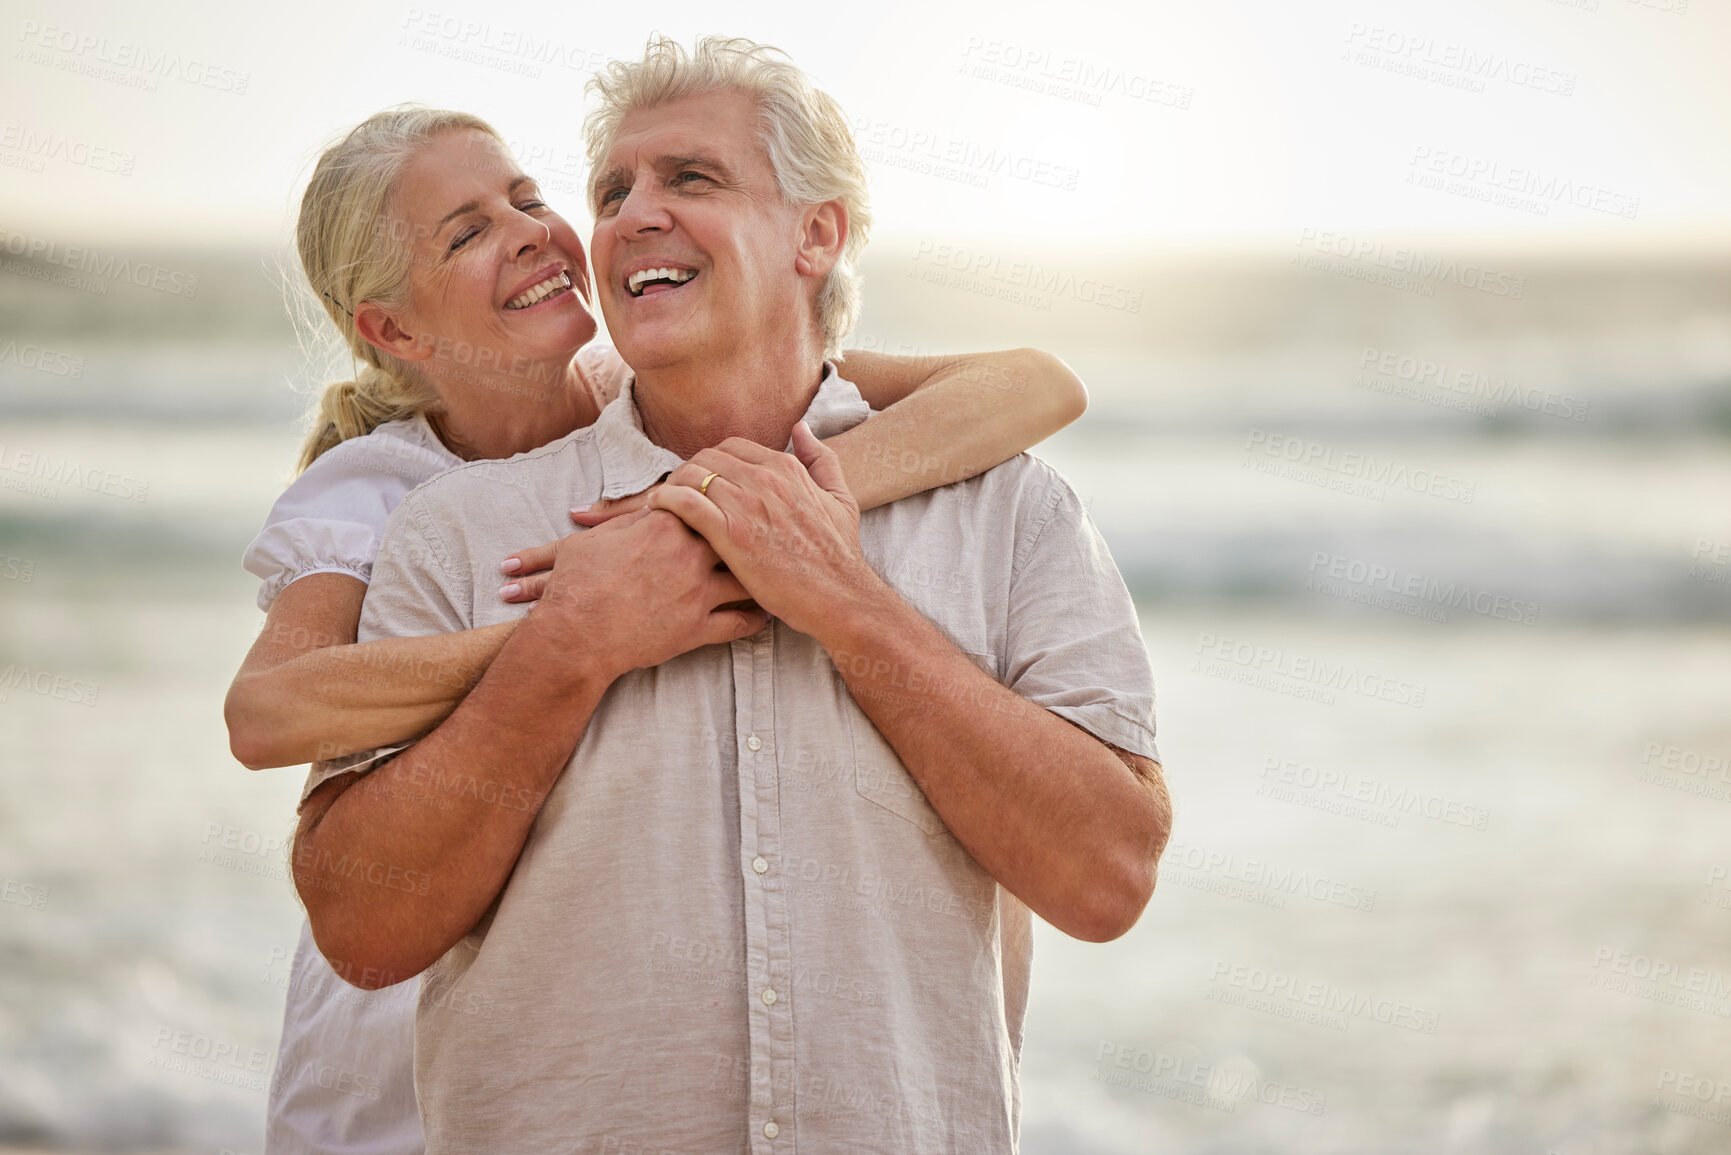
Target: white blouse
[
  {"x": 344, "y": 1081},
  {"x": 331, "y": 518}
]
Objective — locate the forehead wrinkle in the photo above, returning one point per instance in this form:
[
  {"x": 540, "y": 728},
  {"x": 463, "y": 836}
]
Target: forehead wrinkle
[{"x": 678, "y": 147}]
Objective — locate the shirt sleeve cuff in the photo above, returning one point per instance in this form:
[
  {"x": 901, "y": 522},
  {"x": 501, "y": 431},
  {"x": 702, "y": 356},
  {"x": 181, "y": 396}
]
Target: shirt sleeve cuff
[
  {"x": 1112, "y": 728},
  {"x": 364, "y": 762}
]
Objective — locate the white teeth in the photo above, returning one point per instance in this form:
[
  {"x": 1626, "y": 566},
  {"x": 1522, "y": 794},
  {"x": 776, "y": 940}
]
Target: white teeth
[
  {"x": 641, "y": 277},
  {"x": 558, "y": 282}
]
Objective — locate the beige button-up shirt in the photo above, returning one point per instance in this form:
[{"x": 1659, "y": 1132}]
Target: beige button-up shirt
[{"x": 737, "y": 924}]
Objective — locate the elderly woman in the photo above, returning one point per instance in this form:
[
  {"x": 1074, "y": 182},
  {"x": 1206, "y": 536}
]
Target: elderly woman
[{"x": 464, "y": 298}]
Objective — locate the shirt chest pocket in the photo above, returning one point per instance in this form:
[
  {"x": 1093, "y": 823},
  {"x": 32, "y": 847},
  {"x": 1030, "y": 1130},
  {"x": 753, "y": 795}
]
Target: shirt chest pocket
[{"x": 880, "y": 777}]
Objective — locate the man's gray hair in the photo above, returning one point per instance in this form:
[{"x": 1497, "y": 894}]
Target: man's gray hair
[{"x": 803, "y": 130}]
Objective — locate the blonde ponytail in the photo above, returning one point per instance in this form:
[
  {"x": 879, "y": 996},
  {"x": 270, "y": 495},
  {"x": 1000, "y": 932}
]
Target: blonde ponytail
[
  {"x": 353, "y": 250},
  {"x": 355, "y": 408}
]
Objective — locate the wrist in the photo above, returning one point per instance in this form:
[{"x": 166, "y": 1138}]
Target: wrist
[
  {"x": 561, "y": 661},
  {"x": 868, "y": 487},
  {"x": 859, "y": 622}
]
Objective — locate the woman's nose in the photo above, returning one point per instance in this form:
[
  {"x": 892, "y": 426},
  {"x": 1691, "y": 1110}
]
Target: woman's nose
[{"x": 537, "y": 235}]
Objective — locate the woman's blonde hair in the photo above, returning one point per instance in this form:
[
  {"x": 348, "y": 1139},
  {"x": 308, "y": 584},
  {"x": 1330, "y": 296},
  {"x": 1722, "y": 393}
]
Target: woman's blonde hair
[
  {"x": 810, "y": 146},
  {"x": 353, "y": 249}
]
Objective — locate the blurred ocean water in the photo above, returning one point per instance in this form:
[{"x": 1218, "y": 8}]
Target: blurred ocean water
[{"x": 1442, "y": 704}]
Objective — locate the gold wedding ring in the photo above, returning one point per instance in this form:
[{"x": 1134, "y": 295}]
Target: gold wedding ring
[{"x": 704, "y": 488}]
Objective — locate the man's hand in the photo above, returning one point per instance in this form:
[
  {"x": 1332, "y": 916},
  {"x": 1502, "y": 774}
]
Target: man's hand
[
  {"x": 632, "y": 593},
  {"x": 785, "y": 525},
  {"x": 636, "y": 592},
  {"x": 526, "y": 570}
]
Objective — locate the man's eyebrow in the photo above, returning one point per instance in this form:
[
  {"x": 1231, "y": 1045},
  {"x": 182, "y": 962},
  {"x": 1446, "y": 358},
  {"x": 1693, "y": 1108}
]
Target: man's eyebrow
[
  {"x": 616, "y": 174},
  {"x": 698, "y": 160},
  {"x": 471, "y": 206}
]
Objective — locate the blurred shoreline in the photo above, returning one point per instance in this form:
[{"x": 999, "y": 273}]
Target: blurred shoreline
[{"x": 1315, "y": 485}]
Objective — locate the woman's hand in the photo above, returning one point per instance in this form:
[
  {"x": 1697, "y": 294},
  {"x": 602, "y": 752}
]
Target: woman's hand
[
  {"x": 527, "y": 569},
  {"x": 527, "y": 572},
  {"x": 605, "y": 510}
]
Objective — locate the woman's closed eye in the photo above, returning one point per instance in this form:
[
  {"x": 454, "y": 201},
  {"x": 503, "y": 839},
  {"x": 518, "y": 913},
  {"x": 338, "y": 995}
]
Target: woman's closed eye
[{"x": 466, "y": 235}]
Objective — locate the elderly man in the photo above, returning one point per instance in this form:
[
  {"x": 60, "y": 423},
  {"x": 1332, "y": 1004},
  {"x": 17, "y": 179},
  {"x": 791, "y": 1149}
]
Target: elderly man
[{"x": 723, "y": 880}]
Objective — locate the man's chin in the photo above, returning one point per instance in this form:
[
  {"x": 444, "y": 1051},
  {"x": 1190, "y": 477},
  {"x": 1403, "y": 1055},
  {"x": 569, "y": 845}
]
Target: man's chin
[{"x": 648, "y": 352}]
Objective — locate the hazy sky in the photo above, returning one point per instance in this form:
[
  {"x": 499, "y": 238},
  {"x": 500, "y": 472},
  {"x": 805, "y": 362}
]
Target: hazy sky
[{"x": 1144, "y": 124}]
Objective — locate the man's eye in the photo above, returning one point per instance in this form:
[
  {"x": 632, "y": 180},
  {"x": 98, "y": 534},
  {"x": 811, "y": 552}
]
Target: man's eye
[
  {"x": 688, "y": 176},
  {"x": 611, "y": 195}
]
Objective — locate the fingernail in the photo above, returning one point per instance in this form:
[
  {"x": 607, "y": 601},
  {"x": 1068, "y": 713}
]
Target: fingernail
[
  {"x": 581, "y": 508},
  {"x": 510, "y": 591},
  {"x": 511, "y": 565}
]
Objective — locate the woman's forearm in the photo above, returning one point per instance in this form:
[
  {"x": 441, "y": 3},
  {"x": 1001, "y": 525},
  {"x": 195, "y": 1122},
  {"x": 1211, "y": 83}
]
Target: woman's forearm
[
  {"x": 341, "y": 699},
  {"x": 968, "y": 414}
]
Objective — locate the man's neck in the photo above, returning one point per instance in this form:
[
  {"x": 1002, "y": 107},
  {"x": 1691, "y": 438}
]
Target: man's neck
[{"x": 757, "y": 395}]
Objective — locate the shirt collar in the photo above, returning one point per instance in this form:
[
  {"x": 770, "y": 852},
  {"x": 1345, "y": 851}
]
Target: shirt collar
[{"x": 630, "y": 462}]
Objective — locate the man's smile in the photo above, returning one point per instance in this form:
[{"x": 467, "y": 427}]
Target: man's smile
[{"x": 657, "y": 279}]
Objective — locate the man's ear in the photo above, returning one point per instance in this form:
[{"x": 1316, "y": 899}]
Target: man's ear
[
  {"x": 379, "y": 328},
  {"x": 823, "y": 233}
]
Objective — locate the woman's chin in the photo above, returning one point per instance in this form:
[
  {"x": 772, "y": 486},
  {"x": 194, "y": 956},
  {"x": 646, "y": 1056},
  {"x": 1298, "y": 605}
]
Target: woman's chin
[
  {"x": 570, "y": 328},
  {"x": 585, "y": 331}
]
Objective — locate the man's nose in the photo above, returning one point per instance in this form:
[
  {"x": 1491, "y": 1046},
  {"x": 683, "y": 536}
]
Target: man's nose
[{"x": 643, "y": 210}]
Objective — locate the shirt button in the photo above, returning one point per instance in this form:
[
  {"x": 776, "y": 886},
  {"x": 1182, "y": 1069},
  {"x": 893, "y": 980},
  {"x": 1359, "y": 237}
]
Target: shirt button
[
  {"x": 754, "y": 743},
  {"x": 769, "y": 996},
  {"x": 770, "y": 1130},
  {"x": 760, "y": 864}
]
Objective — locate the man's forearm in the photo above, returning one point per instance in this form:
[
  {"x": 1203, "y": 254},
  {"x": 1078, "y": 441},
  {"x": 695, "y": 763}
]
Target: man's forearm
[
  {"x": 1045, "y": 808},
  {"x": 397, "y": 867}
]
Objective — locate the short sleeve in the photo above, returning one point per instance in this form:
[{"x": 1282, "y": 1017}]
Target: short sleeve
[
  {"x": 1073, "y": 644},
  {"x": 292, "y": 548},
  {"x": 332, "y": 517},
  {"x": 603, "y": 371}
]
